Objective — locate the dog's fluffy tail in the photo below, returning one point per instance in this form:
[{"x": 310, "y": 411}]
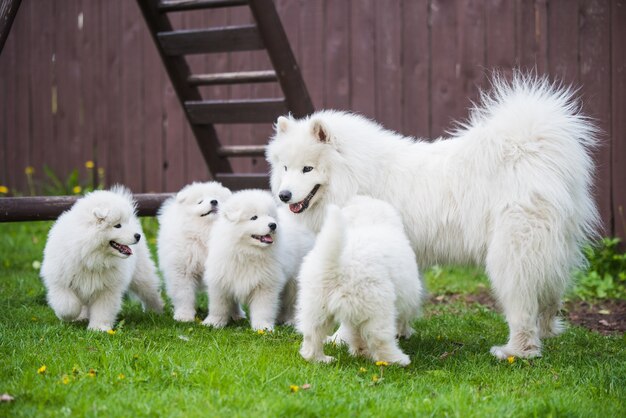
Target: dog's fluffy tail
[{"x": 332, "y": 237}]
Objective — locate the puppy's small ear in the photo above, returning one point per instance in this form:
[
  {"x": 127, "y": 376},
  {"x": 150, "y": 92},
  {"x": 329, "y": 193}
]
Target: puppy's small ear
[
  {"x": 320, "y": 131},
  {"x": 232, "y": 215},
  {"x": 181, "y": 196},
  {"x": 282, "y": 124},
  {"x": 100, "y": 213}
]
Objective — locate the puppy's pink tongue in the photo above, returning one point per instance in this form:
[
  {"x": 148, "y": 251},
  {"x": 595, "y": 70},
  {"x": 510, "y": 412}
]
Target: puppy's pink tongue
[
  {"x": 267, "y": 239},
  {"x": 296, "y": 207}
]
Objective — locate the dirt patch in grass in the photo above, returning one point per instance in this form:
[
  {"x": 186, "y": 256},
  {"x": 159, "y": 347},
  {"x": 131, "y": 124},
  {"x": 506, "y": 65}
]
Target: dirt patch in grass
[{"x": 606, "y": 317}]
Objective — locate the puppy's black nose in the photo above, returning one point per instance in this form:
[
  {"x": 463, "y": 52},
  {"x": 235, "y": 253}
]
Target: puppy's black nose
[
  {"x": 272, "y": 226},
  {"x": 284, "y": 195},
  {"x": 214, "y": 202},
  {"x": 137, "y": 237}
]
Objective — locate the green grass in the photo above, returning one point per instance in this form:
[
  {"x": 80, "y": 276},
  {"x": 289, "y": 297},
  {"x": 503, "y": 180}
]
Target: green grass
[{"x": 153, "y": 366}]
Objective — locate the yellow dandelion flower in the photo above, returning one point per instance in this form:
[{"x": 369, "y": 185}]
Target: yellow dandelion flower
[
  {"x": 375, "y": 378},
  {"x": 34, "y": 319},
  {"x": 77, "y": 189},
  {"x": 294, "y": 388},
  {"x": 261, "y": 332},
  {"x": 511, "y": 359},
  {"x": 29, "y": 170},
  {"x": 111, "y": 332},
  {"x": 4, "y": 189},
  {"x": 89, "y": 164},
  {"x": 382, "y": 363},
  {"x": 92, "y": 373},
  {"x": 65, "y": 380},
  {"x": 362, "y": 370},
  {"x": 42, "y": 369},
  {"x": 121, "y": 376}
]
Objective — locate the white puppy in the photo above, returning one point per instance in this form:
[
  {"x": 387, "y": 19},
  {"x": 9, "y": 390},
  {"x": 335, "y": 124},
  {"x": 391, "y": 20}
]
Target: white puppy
[
  {"x": 88, "y": 263},
  {"x": 185, "y": 223},
  {"x": 511, "y": 191},
  {"x": 245, "y": 265},
  {"x": 361, "y": 273}
]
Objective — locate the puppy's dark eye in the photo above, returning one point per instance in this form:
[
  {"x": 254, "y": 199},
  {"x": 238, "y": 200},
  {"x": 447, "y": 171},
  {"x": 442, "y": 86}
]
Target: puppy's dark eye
[
  {"x": 200, "y": 201},
  {"x": 285, "y": 167},
  {"x": 254, "y": 218},
  {"x": 307, "y": 169},
  {"x": 117, "y": 226}
]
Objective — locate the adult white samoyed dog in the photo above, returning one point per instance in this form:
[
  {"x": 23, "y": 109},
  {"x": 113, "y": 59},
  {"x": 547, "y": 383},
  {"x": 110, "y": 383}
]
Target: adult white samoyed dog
[
  {"x": 362, "y": 273},
  {"x": 88, "y": 262},
  {"x": 185, "y": 222},
  {"x": 511, "y": 190}
]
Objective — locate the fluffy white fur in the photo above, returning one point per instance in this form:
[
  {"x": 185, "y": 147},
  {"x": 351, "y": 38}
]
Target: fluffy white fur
[
  {"x": 185, "y": 222},
  {"x": 511, "y": 190},
  {"x": 362, "y": 273},
  {"x": 85, "y": 276},
  {"x": 252, "y": 260}
]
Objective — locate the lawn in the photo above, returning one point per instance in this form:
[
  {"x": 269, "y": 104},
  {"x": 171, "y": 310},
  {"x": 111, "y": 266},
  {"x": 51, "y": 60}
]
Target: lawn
[{"x": 153, "y": 366}]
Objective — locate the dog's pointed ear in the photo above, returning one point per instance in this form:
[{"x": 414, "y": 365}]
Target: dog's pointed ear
[
  {"x": 282, "y": 124},
  {"x": 320, "y": 131},
  {"x": 182, "y": 195},
  {"x": 100, "y": 214},
  {"x": 231, "y": 215}
]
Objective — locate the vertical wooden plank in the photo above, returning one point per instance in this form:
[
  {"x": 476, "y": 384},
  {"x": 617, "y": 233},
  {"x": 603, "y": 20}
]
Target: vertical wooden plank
[
  {"x": 195, "y": 167},
  {"x": 362, "y": 57},
  {"x": 500, "y": 36},
  {"x": 114, "y": 120},
  {"x": 618, "y": 112},
  {"x": 541, "y": 35},
  {"x": 103, "y": 85},
  {"x": 595, "y": 78},
  {"x": 88, "y": 24},
  {"x": 388, "y": 64},
  {"x": 444, "y": 52},
  {"x": 470, "y": 75},
  {"x": 131, "y": 97},
  {"x": 174, "y": 128},
  {"x": 563, "y": 40},
  {"x": 22, "y": 136},
  {"x": 313, "y": 53},
  {"x": 4, "y": 174},
  {"x": 153, "y": 82},
  {"x": 415, "y": 68},
  {"x": 40, "y": 82},
  {"x": 337, "y": 62},
  {"x": 8, "y": 67}
]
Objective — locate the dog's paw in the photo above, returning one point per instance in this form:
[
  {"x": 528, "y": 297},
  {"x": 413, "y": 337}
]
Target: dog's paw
[
  {"x": 100, "y": 327},
  {"x": 401, "y": 360},
  {"x": 406, "y": 332},
  {"x": 215, "y": 322},
  {"x": 503, "y": 352},
  {"x": 265, "y": 326},
  {"x": 184, "y": 316}
]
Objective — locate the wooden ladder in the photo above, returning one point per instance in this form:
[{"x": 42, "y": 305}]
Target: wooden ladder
[{"x": 267, "y": 33}]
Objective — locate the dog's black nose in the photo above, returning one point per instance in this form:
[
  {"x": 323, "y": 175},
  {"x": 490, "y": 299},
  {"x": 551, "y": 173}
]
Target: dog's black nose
[
  {"x": 214, "y": 202},
  {"x": 284, "y": 195},
  {"x": 137, "y": 237},
  {"x": 272, "y": 226}
]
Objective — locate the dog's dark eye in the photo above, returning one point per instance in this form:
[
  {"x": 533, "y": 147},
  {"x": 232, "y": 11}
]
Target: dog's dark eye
[
  {"x": 254, "y": 218},
  {"x": 117, "y": 226},
  {"x": 285, "y": 167},
  {"x": 307, "y": 169},
  {"x": 200, "y": 201}
]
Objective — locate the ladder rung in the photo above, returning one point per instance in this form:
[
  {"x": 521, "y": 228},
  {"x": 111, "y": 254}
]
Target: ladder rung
[
  {"x": 241, "y": 151},
  {"x": 235, "y": 111},
  {"x": 182, "y": 5},
  {"x": 201, "y": 41},
  {"x": 243, "y": 181},
  {"x": 232, "y": 78}
]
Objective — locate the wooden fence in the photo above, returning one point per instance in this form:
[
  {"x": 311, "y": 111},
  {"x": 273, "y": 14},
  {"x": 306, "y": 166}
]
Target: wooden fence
[{"x": 80, "y": 80}]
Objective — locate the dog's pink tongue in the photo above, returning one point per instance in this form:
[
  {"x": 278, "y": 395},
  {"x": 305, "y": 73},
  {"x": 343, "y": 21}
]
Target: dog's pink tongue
[
  {"x": 125, "y": 249},
  {"x": 267, "y": 239},
  {"x": 296, "y": 207}
]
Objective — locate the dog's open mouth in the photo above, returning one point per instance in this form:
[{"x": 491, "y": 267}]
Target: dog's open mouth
[
  {"x": 301, "y": 206},
  {"x": 214, "y": 210},
  {"x": 266, "y": 239},
  {"x": 123, "y": 249}
]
